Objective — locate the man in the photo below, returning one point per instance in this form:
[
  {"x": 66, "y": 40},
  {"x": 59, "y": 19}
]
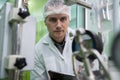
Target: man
[{"x": 53, "y": 51}]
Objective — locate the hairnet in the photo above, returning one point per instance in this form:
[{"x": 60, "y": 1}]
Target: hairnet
[{"x": 56, "y": 7}]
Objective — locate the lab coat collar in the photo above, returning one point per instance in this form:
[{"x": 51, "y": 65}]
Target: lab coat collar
[{"x": 48, "y": 40}]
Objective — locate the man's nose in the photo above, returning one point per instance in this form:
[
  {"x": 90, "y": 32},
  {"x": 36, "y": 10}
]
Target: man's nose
[{"x": 58, "y": 23}]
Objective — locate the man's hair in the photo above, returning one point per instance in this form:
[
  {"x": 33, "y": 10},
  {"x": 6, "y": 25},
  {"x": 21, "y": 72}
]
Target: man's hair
[{"x": 56, "y": 7}]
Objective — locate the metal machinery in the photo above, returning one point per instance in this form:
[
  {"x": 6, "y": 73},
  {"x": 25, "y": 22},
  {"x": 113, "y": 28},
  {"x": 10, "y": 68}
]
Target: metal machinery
[
  {"x": 84, "y": 52},
  {"x": 18, "y": 40}
]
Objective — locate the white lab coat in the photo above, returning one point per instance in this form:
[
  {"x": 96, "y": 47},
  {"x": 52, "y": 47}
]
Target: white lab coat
[{"x": 48, "y": 57}]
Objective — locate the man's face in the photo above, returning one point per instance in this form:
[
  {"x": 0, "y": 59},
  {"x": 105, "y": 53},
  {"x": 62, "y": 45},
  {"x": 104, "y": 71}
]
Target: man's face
[{"x": 57, "y": 25}]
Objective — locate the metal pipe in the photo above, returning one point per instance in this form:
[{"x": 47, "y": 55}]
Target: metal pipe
[
  {"x": 97, "y": 54},
  {"x": 79, "y": 2},
  {"x": 84, "y": 4},
  {"x": 19, "y": 38},
  {"x": 116, "y": 16},
  {"x": 18, "y": 3},
  {"x": 17, "y": 76}
]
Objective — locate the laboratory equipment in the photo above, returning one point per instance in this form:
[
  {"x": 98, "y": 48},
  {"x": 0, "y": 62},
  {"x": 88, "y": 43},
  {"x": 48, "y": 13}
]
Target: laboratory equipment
[
  {"x": 16, "y": 21},
  {"x": 83, "y": 54},
  {"x": 18, "y": 41}
]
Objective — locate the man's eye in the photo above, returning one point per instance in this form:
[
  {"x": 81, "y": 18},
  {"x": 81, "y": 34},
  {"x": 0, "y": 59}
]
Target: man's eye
[
  {"x": 52, "y": 19},
  {"x": 63, "y": 19}
]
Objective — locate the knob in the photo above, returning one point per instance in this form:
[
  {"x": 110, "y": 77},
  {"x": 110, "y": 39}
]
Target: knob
[
  {"x": 20, "y": 63},
  {"x": 23, "y": 12}
]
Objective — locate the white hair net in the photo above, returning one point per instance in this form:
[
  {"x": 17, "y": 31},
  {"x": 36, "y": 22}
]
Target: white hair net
[{"x": 56, "y": 7}]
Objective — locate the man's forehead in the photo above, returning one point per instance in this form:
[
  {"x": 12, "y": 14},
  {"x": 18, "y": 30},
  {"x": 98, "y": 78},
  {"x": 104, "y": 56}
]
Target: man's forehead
[{"x": 57, "y": 15}]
